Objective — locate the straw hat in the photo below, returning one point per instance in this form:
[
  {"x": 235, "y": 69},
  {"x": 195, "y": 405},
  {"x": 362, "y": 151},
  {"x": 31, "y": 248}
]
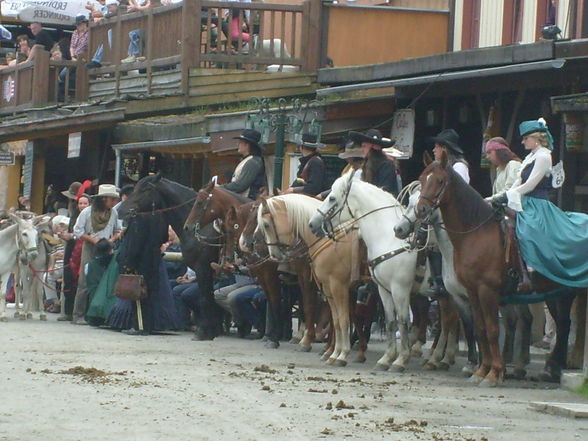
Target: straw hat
[{"x": 107, "y": 190}]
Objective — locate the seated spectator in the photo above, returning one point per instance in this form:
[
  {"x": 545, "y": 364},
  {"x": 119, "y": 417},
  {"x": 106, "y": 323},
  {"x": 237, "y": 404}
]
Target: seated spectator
[
  {"x": 111, "y": 11},
  {"x": 250, "y": 302},
  {"x": 56, "y": 53},
  {"x": 42, "y": 37},
  {"x": 23, "y": 46},
  {"x": 79, "y": 38},
  {"x": 175, "y": 268},
  {"x": 136, "y": 36}
]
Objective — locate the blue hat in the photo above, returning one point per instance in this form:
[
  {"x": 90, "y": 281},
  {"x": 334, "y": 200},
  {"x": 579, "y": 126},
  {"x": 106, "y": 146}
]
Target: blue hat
[{"x": 534, "y": 126}]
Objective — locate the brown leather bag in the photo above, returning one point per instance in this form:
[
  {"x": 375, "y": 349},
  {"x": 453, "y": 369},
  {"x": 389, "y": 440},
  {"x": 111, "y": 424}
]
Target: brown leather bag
[{"x": 131, "y": 287}]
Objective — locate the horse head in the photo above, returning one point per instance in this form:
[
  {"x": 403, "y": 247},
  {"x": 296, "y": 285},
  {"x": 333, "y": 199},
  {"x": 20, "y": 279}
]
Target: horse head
[
  {"x": 247, "y": 237},
  {"x": 434, "y": 181},
  {"x": 207, "y": 207},
  {"x": 332, "y": 211},
  {"x": 273, "y": 226},
  {"x": 144, "y": 197},
  {"x": 27, "y": 238}
]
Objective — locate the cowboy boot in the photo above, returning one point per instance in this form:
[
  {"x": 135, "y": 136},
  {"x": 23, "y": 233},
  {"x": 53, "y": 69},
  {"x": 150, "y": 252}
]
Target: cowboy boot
[
  {"x": 437, "y": 288},
  {"x": 525, "y": 285}
]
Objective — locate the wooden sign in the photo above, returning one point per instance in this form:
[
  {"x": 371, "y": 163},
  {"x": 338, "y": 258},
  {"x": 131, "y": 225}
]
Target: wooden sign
[
  {"x": 403, "y": 131},
  {"x": 6, "y": 158},
  {"x": 27, "y": 173},
  {"x": 74, "y": 144}
]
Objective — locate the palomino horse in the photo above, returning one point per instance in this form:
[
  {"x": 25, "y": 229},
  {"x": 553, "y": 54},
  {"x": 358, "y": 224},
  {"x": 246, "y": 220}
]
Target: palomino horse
[
  {"x": 392, "y": 265},
  {"x": 19, "y": 241},
  {"x": 480, "y": 265},
  {"x": 174, "y": 201},
  {"x": 458, "y": 293},
  {"x": 283, "y": 220},
  {"x": 215, "y": 203}
]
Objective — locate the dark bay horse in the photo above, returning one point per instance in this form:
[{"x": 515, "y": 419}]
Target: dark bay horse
[
  {"x": 480, "y": 264},
  {"x": 174, "y": 202}
]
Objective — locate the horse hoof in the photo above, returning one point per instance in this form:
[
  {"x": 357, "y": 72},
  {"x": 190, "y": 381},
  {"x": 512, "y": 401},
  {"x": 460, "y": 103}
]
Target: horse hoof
[
  {"x": 43, "y": 317},
  {"x": 272, "y": 344},
  {"x": 430, "y": 366},
  {"x": 519, "y": 374},
  {"x": 304, "y": 348},
  {"x": 340, "y": 363},
  {"x": 417, "y": 353},
  {"x": 359, "y": 359},
  {"x": 3, "y": 319},
  {"x": 487, "y": 383},
  {"x": 397, "y": 368},
  {"x": 443, "y": 366},
  {"x": 549, "y": 377},
  {"x": 326, "y": 356},
  {"x": 294, "y": 341},
  {"x": 203, "y": 336},
  {"x": 29, "y": 315},
  {"x": 331, "y": 361},
  {"x": 381, "y": 367},
  {"x": 21, "y": 316},
  {"x": 475, "y": 379},
  {"x": 468, "y": 370}
]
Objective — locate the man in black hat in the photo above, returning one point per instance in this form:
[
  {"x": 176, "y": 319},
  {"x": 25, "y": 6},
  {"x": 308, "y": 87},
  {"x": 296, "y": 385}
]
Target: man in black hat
[
  {"x": 448, "y": 141},
  {"x": 310, "y": 179},
  {"x": 249, "y": 175},
  {"x": 377, "y": 169}
]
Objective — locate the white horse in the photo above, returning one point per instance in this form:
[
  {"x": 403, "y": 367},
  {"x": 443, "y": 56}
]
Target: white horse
[
  {"x": 392, "y": 265},
  {"x": 17, "y": 242},
  {"x": 456, "y": 290}
]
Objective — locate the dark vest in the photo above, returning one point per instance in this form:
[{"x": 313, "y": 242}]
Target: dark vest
[{"x": 541, "y": 191}]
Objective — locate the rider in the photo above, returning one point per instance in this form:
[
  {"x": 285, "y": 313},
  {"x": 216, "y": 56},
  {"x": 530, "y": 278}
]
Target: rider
[
  {"x": 310, "y": 178},
  {"x": 353, "y": 154},
  {"x": 446, "y": 141},
  {"x": 249, "y": 175},
  {"x": 507, "y": 165},
  {"x": 551, "y": 241},
  {"x": 377, "y": 168}
]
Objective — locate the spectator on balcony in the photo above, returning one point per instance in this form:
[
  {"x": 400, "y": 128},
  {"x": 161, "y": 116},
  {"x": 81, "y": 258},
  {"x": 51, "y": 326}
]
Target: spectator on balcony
[
  {"x": 136, "y": 36},
  {"x": 97, "y": 10},
  {"x": 23, "y": 46},
  {"x": 42, "y": 37},
  {"x": 79, "y": 38},
  {"x": 112, "y": 10}
]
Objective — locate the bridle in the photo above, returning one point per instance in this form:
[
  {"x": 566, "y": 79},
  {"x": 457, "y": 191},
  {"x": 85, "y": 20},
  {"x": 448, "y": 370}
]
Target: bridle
[{"x": 292, "y": 251}]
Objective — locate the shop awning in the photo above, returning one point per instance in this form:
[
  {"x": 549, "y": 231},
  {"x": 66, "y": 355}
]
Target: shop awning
[
  {"x": 447, "y": 76},
  {"x": 193, "y": 145}
]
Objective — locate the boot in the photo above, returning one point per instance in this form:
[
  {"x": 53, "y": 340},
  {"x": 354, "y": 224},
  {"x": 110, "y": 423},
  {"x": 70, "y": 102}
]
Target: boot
[
  {"x": 437, "y": 288},
  {"x": 525, "y": 285}
]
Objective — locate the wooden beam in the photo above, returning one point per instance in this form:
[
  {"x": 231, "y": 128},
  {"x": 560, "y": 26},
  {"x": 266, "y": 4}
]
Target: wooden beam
[
  {"x": 40, "y": 77},
  {"x": 515, "y": 113},
  {"x": 191, "y": 36}
]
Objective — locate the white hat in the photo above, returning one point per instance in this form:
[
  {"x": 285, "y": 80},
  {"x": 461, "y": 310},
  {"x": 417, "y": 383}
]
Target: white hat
[
  {"x": 111, "y": 2},
  {"x": 107, "y": 190},
  {"x": 393, "y": 153},
  {"x": 60, "y": 220}
]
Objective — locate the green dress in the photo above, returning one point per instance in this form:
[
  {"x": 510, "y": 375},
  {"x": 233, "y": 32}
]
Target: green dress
[{"x": 101, "y": 280}]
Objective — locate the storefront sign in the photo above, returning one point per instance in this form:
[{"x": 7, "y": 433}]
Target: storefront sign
[
  {"x": 27, "y": 173},
  {"x": 403, "y": 131},
  {"x": 6, "y": 158},
  {"x": 74, "y": 144}
]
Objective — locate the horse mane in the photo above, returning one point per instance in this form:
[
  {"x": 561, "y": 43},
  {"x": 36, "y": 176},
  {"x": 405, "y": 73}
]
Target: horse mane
[
  {"x": 300, "y": 209},
  {"x": 475, "y": 210}
]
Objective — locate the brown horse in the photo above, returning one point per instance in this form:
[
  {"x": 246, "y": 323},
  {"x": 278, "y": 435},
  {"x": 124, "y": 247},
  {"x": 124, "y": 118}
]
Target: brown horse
[{"x": 480, "y": 264}]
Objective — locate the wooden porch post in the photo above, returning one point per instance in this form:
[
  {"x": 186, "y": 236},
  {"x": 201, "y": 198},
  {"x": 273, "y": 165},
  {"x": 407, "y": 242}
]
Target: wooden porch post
[
  {"x": 312, "y": 58},
  {"x": 40, "y": 77},
  {"x": 191, "y": 36},
  {"x": 82, "y": 80}
]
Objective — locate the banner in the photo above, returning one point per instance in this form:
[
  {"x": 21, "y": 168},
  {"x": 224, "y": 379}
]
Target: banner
[
  {"x": 57, "y": 12},
  {"x": 403, "y": 131}
]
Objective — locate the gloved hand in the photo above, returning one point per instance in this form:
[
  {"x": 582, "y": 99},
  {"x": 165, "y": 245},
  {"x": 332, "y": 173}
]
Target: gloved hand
[{"x": 499, "y": 200}]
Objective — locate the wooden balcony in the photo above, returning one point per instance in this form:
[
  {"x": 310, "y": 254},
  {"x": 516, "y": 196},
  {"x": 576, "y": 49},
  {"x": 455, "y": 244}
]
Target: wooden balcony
[{"x": 198, "y": 53}]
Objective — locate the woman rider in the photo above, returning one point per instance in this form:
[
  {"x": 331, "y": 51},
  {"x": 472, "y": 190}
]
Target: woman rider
[
  {"x": 551, "y": 241},
  {"x": 249, "y": 175},
  {"x": 507, "y": 164},
  {"x": 446, "y": 141}
]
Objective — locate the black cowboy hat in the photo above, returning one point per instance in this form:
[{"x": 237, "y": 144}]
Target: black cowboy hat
[
  {"x": 251, "y": 136},
  {"x": 81, "y": 19},
  {"x": 450, "y": 139},
  {"x": 310, "y": 141},
  {"x": 373, "y": 136}
]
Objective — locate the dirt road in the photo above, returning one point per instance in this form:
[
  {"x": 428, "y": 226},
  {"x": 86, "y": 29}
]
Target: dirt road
[{"x": 65, "y": 382}]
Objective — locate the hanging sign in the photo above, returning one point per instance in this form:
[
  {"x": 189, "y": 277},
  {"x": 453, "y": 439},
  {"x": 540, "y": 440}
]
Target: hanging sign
[
  {"x": 27, "y": 173},
  {"x": 73, "y": 145},
  {"x": 403, "y": 131},
  {"x": 8, "y": 88},
  {"x": 6, "y": 158},
  {"x": 60, "y": 12}
]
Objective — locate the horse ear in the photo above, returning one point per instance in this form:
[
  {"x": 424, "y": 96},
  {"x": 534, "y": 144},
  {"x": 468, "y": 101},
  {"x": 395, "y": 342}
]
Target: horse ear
[
  {"x": 16, "y": 219},
  {"x": 427, "y": 159},
  {"x": 444, "y": 160},
  {"x": 157, "y": 177}
]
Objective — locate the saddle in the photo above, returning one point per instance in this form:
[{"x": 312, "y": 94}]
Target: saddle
[{"x": 516, "y": 267}]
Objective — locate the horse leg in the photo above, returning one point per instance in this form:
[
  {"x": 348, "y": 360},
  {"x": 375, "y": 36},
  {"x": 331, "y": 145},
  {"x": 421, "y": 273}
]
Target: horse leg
[
  {"x": 485, "y": 358},
  {"x": 576, "y": 355},
  {"x": 401, "y": 300},
  {"x": 489, "y": 303},
  {"x": 391, "y": 352},
  {"x": 340, "y": 294},
  {"x": 420, "y": 311},
  {"x": 332, "y": 353},
  {"x": 509, "y": 321},
  {"x": 451, "y": 321},
  {"x": 3, "y": 288},
  {"x": 309, "y": 297},
  {"x": 522, "y": 341},
  {"x": 556, "y": 361},
  {"x": 270, "y": 282}
]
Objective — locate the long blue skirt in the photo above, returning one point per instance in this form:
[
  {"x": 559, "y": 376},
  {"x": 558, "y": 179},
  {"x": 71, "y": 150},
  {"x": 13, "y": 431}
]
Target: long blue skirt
[{"x": 554, "y": 242}]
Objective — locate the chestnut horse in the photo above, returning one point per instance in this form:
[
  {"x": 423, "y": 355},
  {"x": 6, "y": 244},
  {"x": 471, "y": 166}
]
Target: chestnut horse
[
  {"x": 214, "y": 203},
  {"x": 480, "y": 264}
]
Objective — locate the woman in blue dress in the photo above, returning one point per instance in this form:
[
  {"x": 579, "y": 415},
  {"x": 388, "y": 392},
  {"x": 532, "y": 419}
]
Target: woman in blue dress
[{"x": 552, "y": 242}]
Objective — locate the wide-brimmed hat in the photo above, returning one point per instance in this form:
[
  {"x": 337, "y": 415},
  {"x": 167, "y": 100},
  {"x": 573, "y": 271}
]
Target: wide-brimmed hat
[
  {"x": 72, "y": 191},
  {"x": 311, "y": 141},
  {"x": 393, "y": 152},
  {"x": 251, "y": 136},
  {"x": 448, "y": 138},
  {"x": 351, "y": 149},
  {"x": 81, "y": 19},
  {"x": 373, "y": 136},
  {"x": 107, "y": 190}
]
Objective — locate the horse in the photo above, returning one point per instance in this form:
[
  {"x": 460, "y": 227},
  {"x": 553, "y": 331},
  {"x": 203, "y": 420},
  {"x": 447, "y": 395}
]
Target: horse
[
  {"x": 458, "y": 293},
  {"x": 19, "y": 242},
  {"x": 156, "y": 194},
  {"x": 393, "y": 265},
  {"x": 283, "y": 220},
  {"x": 479, "y": 258}
]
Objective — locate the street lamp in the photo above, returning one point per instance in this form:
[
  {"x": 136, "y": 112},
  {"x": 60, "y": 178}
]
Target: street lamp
[{"x": 284, "y": 119}]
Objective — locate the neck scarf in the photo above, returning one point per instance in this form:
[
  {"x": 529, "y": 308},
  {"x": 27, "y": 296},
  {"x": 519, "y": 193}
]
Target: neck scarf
[{"x": 100, "y": 219}]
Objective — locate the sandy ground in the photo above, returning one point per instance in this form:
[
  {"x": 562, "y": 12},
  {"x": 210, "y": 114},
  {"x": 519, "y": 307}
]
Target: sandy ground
[{"x": 167, "y": 387}]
